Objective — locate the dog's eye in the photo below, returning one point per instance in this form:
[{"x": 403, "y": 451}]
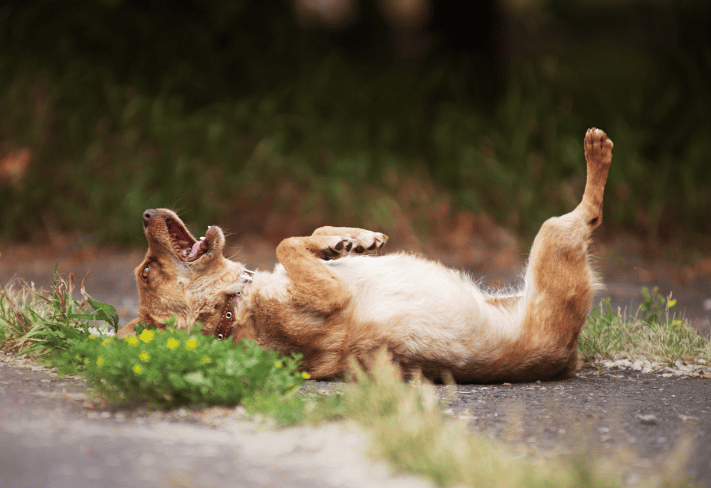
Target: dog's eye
[{"x": 144, "y": 273}]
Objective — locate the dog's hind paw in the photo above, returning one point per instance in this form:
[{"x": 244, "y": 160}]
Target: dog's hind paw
[{"x": 598, "y": 148}]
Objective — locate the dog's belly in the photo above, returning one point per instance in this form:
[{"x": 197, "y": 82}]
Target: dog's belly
[{"x": 421, "y": 309}]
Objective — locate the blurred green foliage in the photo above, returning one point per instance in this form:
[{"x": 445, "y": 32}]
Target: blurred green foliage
[{"x": 231, "y": 112}]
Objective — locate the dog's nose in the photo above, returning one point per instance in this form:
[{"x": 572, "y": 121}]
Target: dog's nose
[{"x": 147, "y": 216}]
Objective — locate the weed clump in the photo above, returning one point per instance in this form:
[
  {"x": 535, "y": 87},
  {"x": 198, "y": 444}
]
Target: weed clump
[
  {"x": 655, "y": 331},
  {"x": 172, "y": 367}
]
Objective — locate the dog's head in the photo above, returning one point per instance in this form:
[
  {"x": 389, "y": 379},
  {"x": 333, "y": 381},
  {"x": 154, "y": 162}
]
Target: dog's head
[{"x": 181, "y": 275}]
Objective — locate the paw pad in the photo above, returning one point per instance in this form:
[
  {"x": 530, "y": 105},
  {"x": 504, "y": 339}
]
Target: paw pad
[
  {"x": 598, "y": 147},
  {"x": 364, "y": 242}
]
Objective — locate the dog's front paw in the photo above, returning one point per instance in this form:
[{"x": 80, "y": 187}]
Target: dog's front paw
[
  {"x": 364, "y": 242},
  {"x": 368, "y": 241}
]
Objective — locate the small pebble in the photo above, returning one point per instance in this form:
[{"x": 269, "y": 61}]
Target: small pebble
[{"x": 649, "y": 419}]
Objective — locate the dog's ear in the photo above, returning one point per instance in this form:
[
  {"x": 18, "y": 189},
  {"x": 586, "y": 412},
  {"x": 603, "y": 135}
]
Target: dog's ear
[{"x": 128, "y": 328}]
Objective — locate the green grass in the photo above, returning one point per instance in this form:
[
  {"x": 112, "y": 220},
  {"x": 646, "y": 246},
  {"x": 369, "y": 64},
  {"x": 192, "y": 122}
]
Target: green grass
[
  {"x": 404, "y": 421},
  {"x": 656, "y": 331},
  {"x": 41, "y": 323}
]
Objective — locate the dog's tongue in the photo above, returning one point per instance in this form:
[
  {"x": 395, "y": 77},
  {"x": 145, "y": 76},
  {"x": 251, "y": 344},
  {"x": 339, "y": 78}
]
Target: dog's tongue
[
  {"x": 194, "y": 249},
  {"x": 200, "y": 244}
]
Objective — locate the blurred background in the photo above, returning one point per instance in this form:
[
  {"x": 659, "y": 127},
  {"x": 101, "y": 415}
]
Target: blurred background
[{"x": 436, "y": 121}]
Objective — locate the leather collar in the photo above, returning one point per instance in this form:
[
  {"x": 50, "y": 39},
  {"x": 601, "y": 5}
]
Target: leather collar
[{"x": 229, "y": 311}]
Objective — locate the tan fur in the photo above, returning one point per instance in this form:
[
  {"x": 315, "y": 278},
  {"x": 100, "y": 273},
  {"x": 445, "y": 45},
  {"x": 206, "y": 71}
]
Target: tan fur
[{"x": 334, "y": 306}]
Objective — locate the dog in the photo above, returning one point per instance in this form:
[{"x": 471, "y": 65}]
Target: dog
[{"x": 332, "y": 302}]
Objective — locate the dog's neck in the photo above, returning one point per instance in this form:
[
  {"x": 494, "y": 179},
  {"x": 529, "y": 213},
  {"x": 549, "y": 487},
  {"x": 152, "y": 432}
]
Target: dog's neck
[{"x": 229, "y": 311}]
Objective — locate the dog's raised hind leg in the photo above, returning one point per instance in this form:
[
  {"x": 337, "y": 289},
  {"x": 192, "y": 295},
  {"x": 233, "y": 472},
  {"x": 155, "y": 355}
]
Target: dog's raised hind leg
[{"x": 560, "y": 283}]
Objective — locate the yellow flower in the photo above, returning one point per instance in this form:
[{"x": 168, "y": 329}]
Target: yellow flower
[
  {"x": 147, "y": 336},
  {"x": 132, "y": 340},
  {"x": 86, "y": 360},
  {"x": 172, "y": 343},
  {"x": 144, "y": 356},
  {"x": 278, "y": 364},
  {"x": 190, "y": 344},
  {"x": 100, "y": 361},
  {"x": 671, "y": 303},
  {"x": 137, "y": 368},
  {"x": 106, "y": 341},
  {"x": 305, "y": 375},
  {"x": 92, "y": 336},
  {"x": 205, "y": 360}
]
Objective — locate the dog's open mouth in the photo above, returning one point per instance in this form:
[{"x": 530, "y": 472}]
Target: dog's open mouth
[{"x": 186, "y": 247}]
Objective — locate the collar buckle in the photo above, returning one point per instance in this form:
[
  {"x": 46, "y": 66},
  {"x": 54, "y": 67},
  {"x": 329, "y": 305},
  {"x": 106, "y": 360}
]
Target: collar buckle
[{"x": 227, "y": 317}]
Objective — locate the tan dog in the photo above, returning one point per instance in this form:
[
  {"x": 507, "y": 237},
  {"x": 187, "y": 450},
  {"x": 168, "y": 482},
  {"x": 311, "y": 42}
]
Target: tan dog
[{"x": 334, "y": 306}]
